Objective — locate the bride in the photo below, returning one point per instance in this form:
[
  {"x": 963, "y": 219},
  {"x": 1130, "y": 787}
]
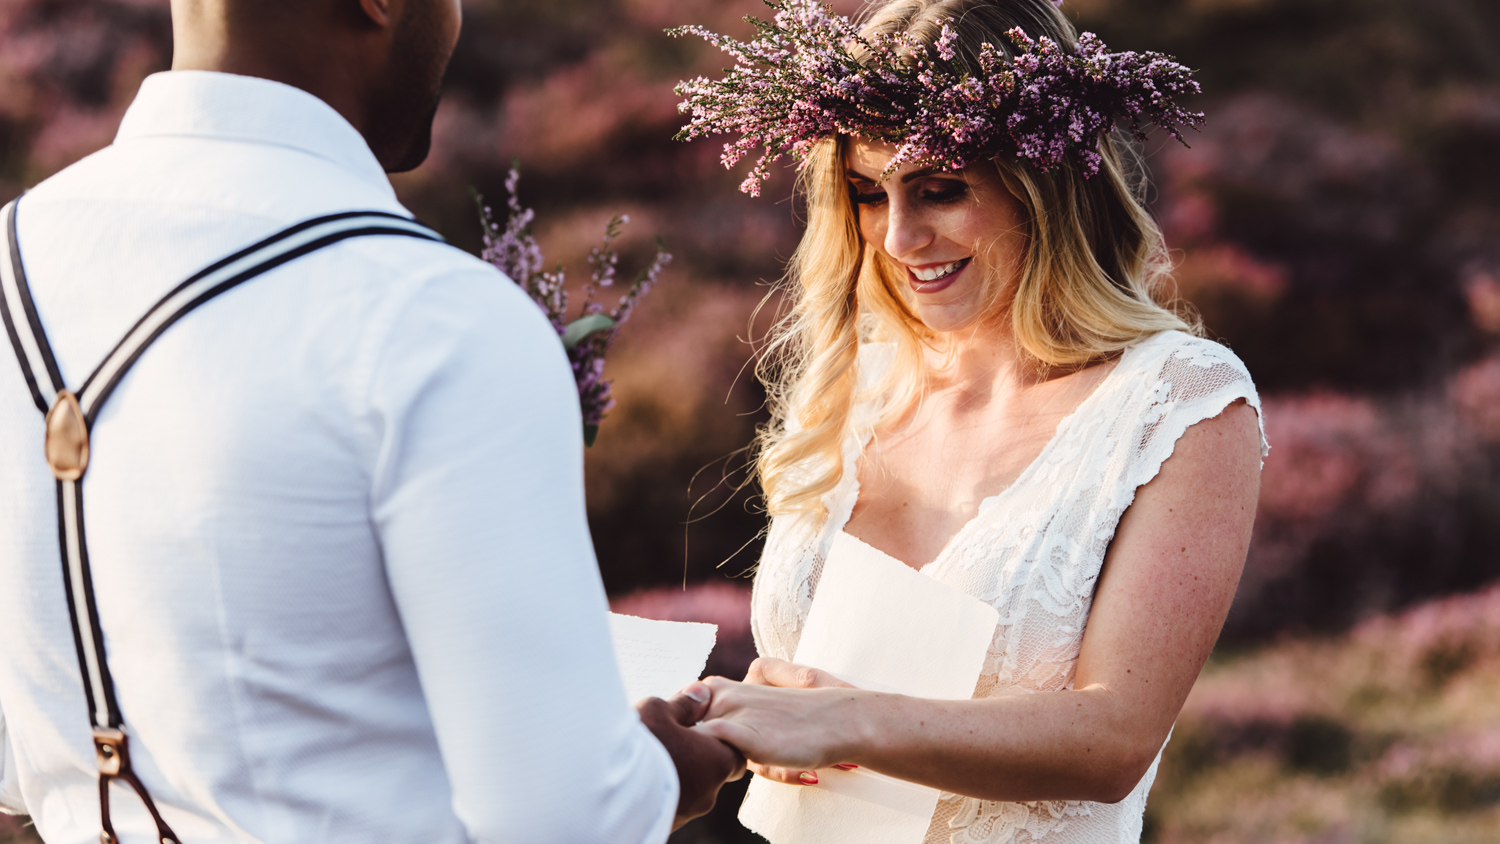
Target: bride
[{"x": 981, "y": 378}]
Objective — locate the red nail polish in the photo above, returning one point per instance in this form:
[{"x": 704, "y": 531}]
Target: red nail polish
[
  {"x": 846, "y": 766},
  {"x": 808, "y": 778}
]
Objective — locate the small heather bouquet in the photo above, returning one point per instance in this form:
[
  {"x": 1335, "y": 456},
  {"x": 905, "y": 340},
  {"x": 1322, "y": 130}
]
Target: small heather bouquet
[{"x": 512, "y": 249}]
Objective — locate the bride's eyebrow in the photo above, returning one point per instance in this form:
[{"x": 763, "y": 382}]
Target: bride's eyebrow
[{"x": 855, "y": 175}]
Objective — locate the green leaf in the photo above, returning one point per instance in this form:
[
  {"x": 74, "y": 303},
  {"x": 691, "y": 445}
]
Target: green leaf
[
  {"x": 582, "y": 327},
  {"x": 590, "y": 433}
]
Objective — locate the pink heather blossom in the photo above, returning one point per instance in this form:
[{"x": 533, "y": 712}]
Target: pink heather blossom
[
  {"x": 1482, "y": 290},
  {"x": 1476, "y": 392},
  {"x": 799, "y": 81}
]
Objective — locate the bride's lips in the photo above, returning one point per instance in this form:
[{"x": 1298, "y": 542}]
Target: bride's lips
[{"x": 936, "y": 285}]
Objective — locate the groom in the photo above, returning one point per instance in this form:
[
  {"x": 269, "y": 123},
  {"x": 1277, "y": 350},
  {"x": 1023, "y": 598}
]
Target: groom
[{"x": 335, "y": 515}]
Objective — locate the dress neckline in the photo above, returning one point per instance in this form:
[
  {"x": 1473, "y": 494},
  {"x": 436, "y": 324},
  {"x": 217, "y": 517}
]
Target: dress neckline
[{"x": 988, "y": 501}]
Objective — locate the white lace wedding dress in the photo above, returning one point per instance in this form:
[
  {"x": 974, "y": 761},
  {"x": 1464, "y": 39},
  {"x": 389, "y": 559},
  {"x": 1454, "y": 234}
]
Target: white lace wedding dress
[{"x": 1034, "y": 552}]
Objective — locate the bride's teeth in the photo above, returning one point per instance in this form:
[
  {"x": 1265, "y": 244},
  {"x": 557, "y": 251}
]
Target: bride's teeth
[{"x": 936, "y": 273}]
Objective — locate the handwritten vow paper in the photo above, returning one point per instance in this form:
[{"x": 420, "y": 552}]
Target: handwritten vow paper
[
  {"x": 657, "y": 658},
  {"x": 880, "y": 625}
]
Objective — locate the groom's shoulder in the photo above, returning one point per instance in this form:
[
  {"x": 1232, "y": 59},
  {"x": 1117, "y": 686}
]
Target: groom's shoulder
[
  {"x": 415, "y": 266},
  {"x": 189, "y": 214},
  {"x": 433, "y": 286}
]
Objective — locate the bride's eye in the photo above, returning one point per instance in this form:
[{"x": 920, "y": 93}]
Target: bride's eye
[
  {"x": 874, "y": 196},
  {"x": 944, "y": 191}
]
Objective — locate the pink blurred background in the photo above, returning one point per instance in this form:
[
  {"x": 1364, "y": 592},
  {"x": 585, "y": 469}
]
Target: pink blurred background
[{"x": 1337, "y": 223}]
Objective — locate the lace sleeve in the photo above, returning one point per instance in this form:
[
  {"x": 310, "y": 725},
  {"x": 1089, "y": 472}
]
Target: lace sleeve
[{"x": 1194, "y": 380}]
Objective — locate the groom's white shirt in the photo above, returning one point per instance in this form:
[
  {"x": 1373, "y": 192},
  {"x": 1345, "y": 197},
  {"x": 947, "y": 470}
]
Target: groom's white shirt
[{"x": 336, "y": 515}]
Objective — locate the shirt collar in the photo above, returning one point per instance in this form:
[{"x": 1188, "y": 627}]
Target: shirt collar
[{"x": 197, "y": 103}]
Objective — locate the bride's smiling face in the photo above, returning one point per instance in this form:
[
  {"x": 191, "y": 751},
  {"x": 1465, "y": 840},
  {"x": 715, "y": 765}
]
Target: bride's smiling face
[{"x": 951, "y": 234}]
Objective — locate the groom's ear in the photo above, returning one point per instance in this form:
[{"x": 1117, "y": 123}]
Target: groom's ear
[{"x": 378, "y": 11}]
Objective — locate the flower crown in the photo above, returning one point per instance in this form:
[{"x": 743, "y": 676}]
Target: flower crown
[{"x": 799, "y": 82}]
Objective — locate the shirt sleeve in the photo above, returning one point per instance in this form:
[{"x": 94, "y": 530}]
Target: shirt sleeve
[
  {"x": 477, "y": 496},
  {"x": 11, "y": 802}
]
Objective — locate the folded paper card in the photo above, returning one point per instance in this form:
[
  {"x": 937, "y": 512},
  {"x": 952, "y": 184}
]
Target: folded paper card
[
  {"x": 879, "y": 624},
  {"x": 657, "y": 658}
]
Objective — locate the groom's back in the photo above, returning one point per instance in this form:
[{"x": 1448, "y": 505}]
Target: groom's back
[
  {"x": 285, "y": 513},
  {"x": 228, "y": 489}
]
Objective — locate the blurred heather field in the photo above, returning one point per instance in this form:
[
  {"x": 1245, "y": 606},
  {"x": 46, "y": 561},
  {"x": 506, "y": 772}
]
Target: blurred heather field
[{"x": 1337, "y": 224}]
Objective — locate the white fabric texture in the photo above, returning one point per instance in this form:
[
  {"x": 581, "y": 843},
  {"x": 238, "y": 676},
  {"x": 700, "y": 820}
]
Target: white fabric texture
[
  {"x": 1034, "y": 552},
  {"x": 335, "y": 515}
]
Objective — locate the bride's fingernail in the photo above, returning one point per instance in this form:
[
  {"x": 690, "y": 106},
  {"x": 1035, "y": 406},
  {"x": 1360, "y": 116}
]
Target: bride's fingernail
[
  {"x": 846, "y": 766},
  {"x": 808, "y": 778}
]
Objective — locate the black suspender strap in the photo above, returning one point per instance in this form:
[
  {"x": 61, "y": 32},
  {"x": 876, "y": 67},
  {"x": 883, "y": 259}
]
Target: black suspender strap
[
  {"x": 28, "y": 338},
  {"x": 70, "y": 416}
]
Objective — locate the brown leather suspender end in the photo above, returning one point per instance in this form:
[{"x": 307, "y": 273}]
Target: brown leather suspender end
[
  {"x": 112, "y": 750},
  {"x": 69, "y": 416}
]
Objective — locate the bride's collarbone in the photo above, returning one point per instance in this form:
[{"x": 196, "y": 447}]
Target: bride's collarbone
[
  {"x": 955, "y": 477},
  {"x": 925, "y": 481},
  {"x": 952, "y": 452},
  {"x": 913, "y": 502}
]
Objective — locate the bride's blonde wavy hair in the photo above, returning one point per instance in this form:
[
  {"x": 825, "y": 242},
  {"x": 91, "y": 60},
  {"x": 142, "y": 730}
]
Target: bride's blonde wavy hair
[{"x": 1095, "y": 277}]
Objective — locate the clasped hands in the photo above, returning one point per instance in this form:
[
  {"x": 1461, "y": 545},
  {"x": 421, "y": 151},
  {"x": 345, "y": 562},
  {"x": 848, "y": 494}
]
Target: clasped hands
[{"x": 783, "y": 722}]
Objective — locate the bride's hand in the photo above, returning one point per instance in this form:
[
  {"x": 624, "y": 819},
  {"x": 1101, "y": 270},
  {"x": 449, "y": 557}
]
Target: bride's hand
[
  {"x": 788, "y": 720},
  {"x": 770, "y": 671}
]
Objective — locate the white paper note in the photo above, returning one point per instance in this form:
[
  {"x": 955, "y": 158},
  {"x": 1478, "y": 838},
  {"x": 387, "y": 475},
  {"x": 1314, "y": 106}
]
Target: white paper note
[
  {"x": 657, "y": 658},
  {"x": 878, "y": 624}
]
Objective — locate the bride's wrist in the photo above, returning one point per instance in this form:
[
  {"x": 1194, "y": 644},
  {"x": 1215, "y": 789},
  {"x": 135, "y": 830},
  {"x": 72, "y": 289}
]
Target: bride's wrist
[{"x": 862, "y": 718}]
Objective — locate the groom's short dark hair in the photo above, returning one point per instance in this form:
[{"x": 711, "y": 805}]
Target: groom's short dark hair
[{"x": 380, "y": 64}]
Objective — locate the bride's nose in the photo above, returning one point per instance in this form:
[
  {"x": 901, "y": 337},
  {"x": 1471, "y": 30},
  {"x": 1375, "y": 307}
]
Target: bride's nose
[{"x": 906, "y": 230}]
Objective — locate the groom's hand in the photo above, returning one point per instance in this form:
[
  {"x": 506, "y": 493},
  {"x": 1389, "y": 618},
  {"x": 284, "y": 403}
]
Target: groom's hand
[{"x": 703, "y": 763}]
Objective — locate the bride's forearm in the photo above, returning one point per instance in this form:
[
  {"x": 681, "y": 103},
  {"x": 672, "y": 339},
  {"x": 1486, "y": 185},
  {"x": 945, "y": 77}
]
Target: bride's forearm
[
  {"x": 1090, "y": 744},
  {"x": 1072, "y": 745}
]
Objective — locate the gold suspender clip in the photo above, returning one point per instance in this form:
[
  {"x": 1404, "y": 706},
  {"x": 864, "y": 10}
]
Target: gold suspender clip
[
  {"x": 110, "y": 750},
  {"x": 67, "y": 441}
]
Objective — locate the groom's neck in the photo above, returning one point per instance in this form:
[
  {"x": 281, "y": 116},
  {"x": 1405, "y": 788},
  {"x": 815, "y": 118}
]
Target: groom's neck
[{"x": 319, "y": 46}]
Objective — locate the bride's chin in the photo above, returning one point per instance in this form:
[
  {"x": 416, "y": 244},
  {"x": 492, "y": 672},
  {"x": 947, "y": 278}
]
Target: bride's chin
[{"x": 949, "y": 319}]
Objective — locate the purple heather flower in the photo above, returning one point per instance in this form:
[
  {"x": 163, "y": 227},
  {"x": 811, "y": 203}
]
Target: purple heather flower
[
  {"x": 798, "y": 82},
  {"x": 513, "y": 250}
]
